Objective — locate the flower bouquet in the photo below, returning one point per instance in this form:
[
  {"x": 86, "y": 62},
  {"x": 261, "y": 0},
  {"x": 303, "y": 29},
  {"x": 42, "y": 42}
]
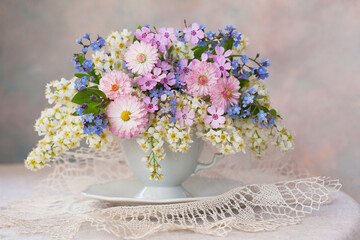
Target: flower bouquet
[{"x": 165, "y": 89}]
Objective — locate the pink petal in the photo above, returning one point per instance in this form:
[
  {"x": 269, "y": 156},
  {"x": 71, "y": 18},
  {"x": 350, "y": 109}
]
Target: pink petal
[
  {"x": 200, "y": 34},
  {"x": 220, "y": 111},
  {"x": 186, "y": 109},
  {"x": 219, "y": 50},
  {"x": 187, "y": 30},
  {"x": 189, "y": 122},
  {"x": 215, "y": 124},
  {"x": 227, "y": 53},
  {"x": 204, "y": 57},
  {"x": 146, "y": 100},
  {"x": 212, "y": 110},
  {"x": 194, "y": 39},
  {"x": 221, "y": 120},
  {"x": 178, "y": 114},
  {"x": 191, "y": 114},
  {"x": 195, "y": 26},
  {"x": 208, "y": 119},
  {"x": 157, "y": 71},
  {"x": 181, "y": 122}
]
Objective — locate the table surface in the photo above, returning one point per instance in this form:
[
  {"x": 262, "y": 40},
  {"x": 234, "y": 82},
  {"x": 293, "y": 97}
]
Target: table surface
[{"x": 337, "y": 221}]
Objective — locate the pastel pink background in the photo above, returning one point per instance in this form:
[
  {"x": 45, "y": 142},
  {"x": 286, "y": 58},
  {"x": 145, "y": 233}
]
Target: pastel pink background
[{"x": 314, "y": 47}]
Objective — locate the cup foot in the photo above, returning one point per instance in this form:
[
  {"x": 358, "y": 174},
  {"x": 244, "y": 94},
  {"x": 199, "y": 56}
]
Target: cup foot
[{"x": 154, "y": 193}]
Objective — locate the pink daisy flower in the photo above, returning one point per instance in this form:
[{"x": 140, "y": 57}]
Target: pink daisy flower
[
  {"x": 141, "y": 57},
  {"x": 201, "y": 78},
  {"x": 127, "y": 116},
  {"x": 185, "y": 116},
  {"x": 115, "y": 84},
  {"x": 193, "y": 33},
  {"x": 215, "y": 118},
  {"x": 225, "y": 92},
  {"x": 151, "y": 105}
]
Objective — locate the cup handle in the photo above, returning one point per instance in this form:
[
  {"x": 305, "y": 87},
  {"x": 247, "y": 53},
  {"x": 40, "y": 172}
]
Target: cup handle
[{"x": 201, "y": 166}]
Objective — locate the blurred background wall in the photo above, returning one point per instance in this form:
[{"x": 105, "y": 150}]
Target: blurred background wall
[{"x": 314, "y": 47}]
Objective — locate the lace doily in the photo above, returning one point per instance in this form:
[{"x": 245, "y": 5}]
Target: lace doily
[{"x": 275, "y": 194}]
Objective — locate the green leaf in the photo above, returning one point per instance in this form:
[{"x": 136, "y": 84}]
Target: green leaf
[
  {"x": 243, "y": 82},
  {"x": 84, "y": 95},
  {"x": 260, "y": 96},
  {"x": 273, "y": 112},
  {"x": 254, "y": 110},
  {"x": 92, "y": 108},
  {"x": 80, "y": 75},
  {"x": 228, "y": 44},
  {"x": 97, "y": 92},
  {"x": 198, "y": 50},
  {"x": 75, "y": 114}
]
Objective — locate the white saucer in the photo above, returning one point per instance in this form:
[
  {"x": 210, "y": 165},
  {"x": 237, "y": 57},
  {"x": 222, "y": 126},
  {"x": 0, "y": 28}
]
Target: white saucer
[{"x": 124, "y": 191}]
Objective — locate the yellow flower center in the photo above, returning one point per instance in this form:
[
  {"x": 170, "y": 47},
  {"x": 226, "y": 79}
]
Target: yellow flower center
[
  {"x": 125, "y": 115},
  {"x": 203, "y": 79},
  {"x": 227, "y": 93},
  {"x": 141, "y": 58},
  {"x": 114, "y": 87}
]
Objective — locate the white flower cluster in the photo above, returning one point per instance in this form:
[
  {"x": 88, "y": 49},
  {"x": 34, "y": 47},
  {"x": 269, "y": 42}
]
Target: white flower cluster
[
  {"x": 182, "y": 51},
  {"x": 61, "y": 130},
  {"x": 117, "y": 43}
]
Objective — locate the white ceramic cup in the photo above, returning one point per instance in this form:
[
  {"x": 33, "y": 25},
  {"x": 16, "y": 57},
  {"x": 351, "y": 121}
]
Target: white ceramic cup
[{"x": 176, "y": 168}]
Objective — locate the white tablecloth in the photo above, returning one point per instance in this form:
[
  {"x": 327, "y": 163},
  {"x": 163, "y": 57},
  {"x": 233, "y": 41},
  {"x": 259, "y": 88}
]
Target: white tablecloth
[{"x": 337, "y": 221}]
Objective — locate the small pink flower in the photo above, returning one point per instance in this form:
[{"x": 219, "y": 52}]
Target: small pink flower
[
  {"x": 151, "y": 104},
  {"x": 215, "y": 118},
  {"x": 160, "y": 42},
  {"x": 150, "y": 80},
  {"x": 168, "y": 81},
  {"x": 146, "y": 84},
  {"x": 168, "y": 34},
  {"x": 185, "y": 116},
  {"x": 115, "y": 84},
  {"x": 193, "y": 33},
  {"x": 223, "y": 64},
  {"x": 220, "y": 51},
  {"x": 225, "y": 92},
  {"x": 144, "y": 34},
  {"x": 184, "y": 69},
  {"x": 165, "y": 66},
  {"x": 127, "y": 116}
]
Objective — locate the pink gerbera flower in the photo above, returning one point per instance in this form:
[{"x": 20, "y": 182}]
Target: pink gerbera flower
[
  {"x": 185, "y": 116},
  {"x": 201, "y": 78},
  {"x": 141, "y": 57},
  {"x": 127, "y": 116},
  {"x": 215, "y": 118},
  {"x": 115, "y": 84},
  {"x": 225, "y": 92}
]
